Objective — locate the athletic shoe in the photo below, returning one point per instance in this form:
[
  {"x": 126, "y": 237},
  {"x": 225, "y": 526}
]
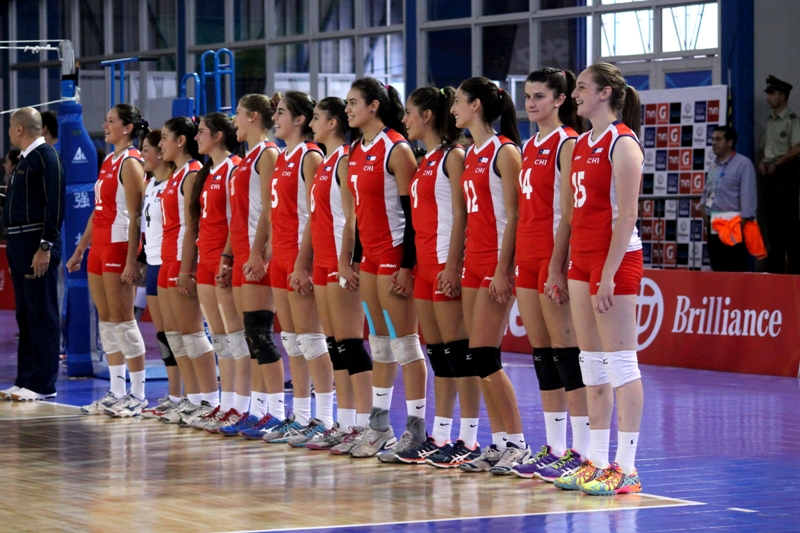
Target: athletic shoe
[
  {"x": 284, "y": 431},
  {"x": 349, "y": 441},
  {"x": 574, "y": 481},
  {"x": 528, "y": 470},
  {"x": 453, "y": 455},
  {"x": 613, "y": 481},
  {"x": 26, "y": 395},
  {"x": 201, "y": 411},
  {"x": 567, "y": 464},
  {"x": 5, "y": 394},
  {"x": 98, "y": 407},
  {"x": 201, "y": 421},
  {"x": 264, "y": 425},
  {"x": 372, "y": 442},
  {"x": 420, "y": 454},
  {"x": 164, "y": 404},
  {"x": 313, "y": 429},
  {"x": 127, "y": 407},
  {"x": 233, "y": 429},
  {"x": 484, "y": 462},
  {"x": 173, "y": 416},
  {"x": 327, "y": 439},
  {"x": 512, "y": 456},
  {"x": 413, "y": 437},
  {"x": 223, "y": 419}
]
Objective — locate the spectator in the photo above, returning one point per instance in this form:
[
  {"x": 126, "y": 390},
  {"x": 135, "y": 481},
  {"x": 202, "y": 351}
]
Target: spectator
[{"x": 50, "y": 127}]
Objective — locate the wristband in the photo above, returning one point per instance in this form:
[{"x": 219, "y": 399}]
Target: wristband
[
  {"x": 226, "y": 256},
  {"x": 185, "y": 273}
]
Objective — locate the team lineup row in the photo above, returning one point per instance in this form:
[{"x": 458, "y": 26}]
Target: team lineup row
[{"x": 344, "y": 215}]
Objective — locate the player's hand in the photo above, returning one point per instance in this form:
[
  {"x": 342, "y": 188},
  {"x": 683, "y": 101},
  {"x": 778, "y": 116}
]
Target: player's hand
[
  {"x": 402, "y": 283},
  {"x": 449, "y": 282},
  {"x": 256, "y": 268},
  {"x": 41, "y": 262},
  {"x": 348, "y": 276},
  {"x": 74, "y": 262},
  {"x": 501, "y": 287},
  {"x": 556, "y": 287},
  {"x": 300, "y": 281},
  {"x": 604, "y": 300},
  {"x": 187, "y": 285}
]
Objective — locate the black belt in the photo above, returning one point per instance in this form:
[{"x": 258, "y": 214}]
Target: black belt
[{"x": 27, "y": 228}]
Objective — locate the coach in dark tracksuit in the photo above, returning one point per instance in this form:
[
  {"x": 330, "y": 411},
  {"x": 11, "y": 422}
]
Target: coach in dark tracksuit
[{"x": 33, "y": 215}]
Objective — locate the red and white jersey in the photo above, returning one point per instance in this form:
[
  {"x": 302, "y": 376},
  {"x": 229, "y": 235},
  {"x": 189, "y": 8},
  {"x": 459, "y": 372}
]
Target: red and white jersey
[
  {"x": 172, "y": 212},
  {"x": 289, "y": 212},
  {"x": 594, "y": 191},
  {"x": 327, "y": 216},
  {"x": 540, "y": 194},
  {"x": 432, "y": 207},
  {"x": 215, "y": 211},
  {"x": 111, "y": 218},
  {"x": 381, "y": 221},
  {"x": 152, "y": 224},
  {"x": 244, "y": 193},
  {"x": 483, "y": 192}
]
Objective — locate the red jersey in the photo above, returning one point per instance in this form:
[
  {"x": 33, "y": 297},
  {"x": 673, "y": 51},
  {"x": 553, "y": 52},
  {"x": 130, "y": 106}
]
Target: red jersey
[
  {"x": 381, "y": 221},
  {"x": 215, "y": 211},
  {"x": 483, "y": 192},
  {"x": 594, "y": 191},
  {"x": 289, "y": 206},
  {"x": 327, "y": 216},
  {"x": 172, "y": 212},
  {"x": 432, "y": 207},
  {"x": 111, "y": 217},
  {"x": 540, "y": 194}
]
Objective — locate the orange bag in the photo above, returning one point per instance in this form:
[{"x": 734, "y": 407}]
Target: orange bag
[
  {"x": 730, "y": 233},
  {"x": 753, "y": 240}
]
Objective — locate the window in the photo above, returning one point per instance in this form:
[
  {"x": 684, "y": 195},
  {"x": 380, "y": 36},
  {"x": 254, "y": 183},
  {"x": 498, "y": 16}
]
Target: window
[
  {"x": 126, "y": 26},
  {"x": 337, "y": 67},
  {"x": 502, "y": 7},
  {"x": 290, "y": 17},
  {"x": 248, "y": 20},
  {"x": 292, "y": 67},
  {"x": 383, "y": 59},
  {"x": 335, "y": 15},
  {"x": 449, "y": 57},
  {"x": 28, "y": 86},
  {"x": 563, "y": 44},
  {"x": 689, "y": 27},
  {"x": 626, "y": 33},
  {"x": 91, "y": 27},
  {"x": 692, "y": 78},
  {"x": 383, "y": 12},
  {"x": 251, "y": 71},
  {"x": 448, "y": 9},
  {"x": 209, "y": 22},
  {"x": 161, "y": 19}
]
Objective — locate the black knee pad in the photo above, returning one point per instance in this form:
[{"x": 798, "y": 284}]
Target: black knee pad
[
  {"x": 439, "y": 363},
  {"x": 260, "y": 336},
  {"x": 456, "y": 354},
  {"x": 166, "y": 352},
  {"x": 355, "y": 356},
  {"x": 546, "y": 370},
  {"x": 485, "y": 360},
  {"x": 336, "y": 358},
  {"x": 567, "y": 361}
]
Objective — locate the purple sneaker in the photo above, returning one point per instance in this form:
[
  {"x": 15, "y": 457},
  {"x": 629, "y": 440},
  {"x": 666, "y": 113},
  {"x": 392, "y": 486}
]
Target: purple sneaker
[
  {"x": 567, "y": 464},
  {"x": 529, "y": 468}
]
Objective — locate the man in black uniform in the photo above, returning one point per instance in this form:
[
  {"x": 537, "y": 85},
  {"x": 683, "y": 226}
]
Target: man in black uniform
[{"x": 33, "y": 214}]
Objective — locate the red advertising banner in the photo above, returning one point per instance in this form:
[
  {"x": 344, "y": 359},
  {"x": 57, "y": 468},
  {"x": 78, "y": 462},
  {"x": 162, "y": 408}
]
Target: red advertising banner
[{"x": 6, "y": 287}]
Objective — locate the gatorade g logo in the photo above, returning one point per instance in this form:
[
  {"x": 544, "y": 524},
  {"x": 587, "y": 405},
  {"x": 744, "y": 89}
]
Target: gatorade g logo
[{"x": 649, "y": 313}]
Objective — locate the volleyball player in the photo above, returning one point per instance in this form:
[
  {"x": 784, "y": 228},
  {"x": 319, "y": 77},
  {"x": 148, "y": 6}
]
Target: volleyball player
[
  {"x": 113, "y": 231},
  {"x": 489, "y": 181},
  {"x": 381, "y": 167},
  {"x": 545, "y": 159},
  {"x": 605, "y": 274}
]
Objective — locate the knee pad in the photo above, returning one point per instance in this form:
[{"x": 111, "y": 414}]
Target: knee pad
[
  {"x": 381, "y": 348},
  {"x": 197, "y": 344},
  {"x": 220, "y": 345},
  {"x": 485, "y": 361},
  {"x": 594, "y": 368},
  {"x": 439, "y": 363},
  {"x": 238, "y": 344},
  {"x": 355, "y": 356},
  {"x": 407, "y": 349},
  {"x": 546, "y": 369},
  {"x": 289, "y": 341},
  {"x": 312, "y": 345},
  {"x": 130, "y": 339},
  {"x": 569, "y": 367},
  {"x": 337, "y": 360},
  {"x": 175, "y": 341},
  {"x": 456, "y": 354},
  {"x": 166, "y": 351},
  {"x": 259, "y": 335},
  {"x": 108, "y": 337},
  {"x": 623, "y": 367}
]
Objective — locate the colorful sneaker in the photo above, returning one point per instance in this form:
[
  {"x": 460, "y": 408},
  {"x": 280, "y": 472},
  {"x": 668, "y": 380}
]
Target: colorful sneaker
[
  {"x": 327, "y": 440},
  {"x": 413, "y": 437},
  {"x": 284, "y": 431},
  {"x": 484, "y": 462},
  {"x": 204, "y": 411},
  {"x": 98, "y": 407},
  {"x": 574, "y": 481},
  {"x": 349, "y": 441},
  {"x": 264, "y": 425},
  {"x": 567, "y": 464},
  {"x": 613, "y": 481},
  {"x": 454, "y": 455},
  {"x": 231, "y": 416},
  {"x": 233, "y": 429},
  {"x": 313, "y": 429},
  {"x": 127, "y": 407},
  {"x": 511, "y": 457},
  {"x": 164, "y": 404},
  {"x": 528, "y": 470},
  {"x": 420, "y": 454},
  {"x": 173, "y": 416}
]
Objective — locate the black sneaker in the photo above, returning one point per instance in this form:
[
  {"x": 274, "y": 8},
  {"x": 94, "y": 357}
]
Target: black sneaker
[
  {"x": 453, "y": 455},
  {"x": 420, "y": 454}
]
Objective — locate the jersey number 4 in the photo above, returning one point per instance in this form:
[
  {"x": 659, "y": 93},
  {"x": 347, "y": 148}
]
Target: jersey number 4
[
  {"x": 579, "y": 191},
  {"x": 525, "y": 183}
]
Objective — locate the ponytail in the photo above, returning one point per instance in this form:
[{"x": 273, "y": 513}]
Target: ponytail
[
  {"x": 439, "y": 102},
  {"x": 495, "y": 103},
  {"x": 390, "y": 106},
  {"x": 624, "y": 100},
  {"x": 561, "y": 82}
]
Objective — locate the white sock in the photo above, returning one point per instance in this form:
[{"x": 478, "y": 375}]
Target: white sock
[
  {"x": 382, "y": 397},
  {"x": 277, "y": 405},
  {"x": 346, "y": 418},
  {"x": 325, "y": 408},
  {"x": 211, "y": 397},
  {"x": 441, "y": 430},
  {"x": 598, "y": 452},
  {"x": 556, "y": 428},
  {"x": 302, "y": 410},
  {"x": 362, "y": 419},
  {"x": 580, "y": 435},
  {"x": 175, "y": 399},
  {"x": 468, "y": 432},
  {"x": 137, "y": 384},
  {"x": 626, "y": 451},
  {"x": 416, "y": 407},
  {"x": 241, "y": 403},
  {"x": 117, "y": 375},
  {"x": 518, "y": 439},
  {"x": 500, "y": 439},
  {"x": 195, "y": 399},
  {"x": 258, "y": 404},
  {"x": 226, "y": 400}
]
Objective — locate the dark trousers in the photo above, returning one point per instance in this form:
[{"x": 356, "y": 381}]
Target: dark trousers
[
  {"x": 726, "y": 258},
  {"x": 37, "y": 314},
  {"x": 782, "y": 212}
]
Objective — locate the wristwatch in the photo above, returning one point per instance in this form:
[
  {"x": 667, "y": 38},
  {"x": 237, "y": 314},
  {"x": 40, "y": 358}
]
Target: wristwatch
[{"x": 45, "y": 246}]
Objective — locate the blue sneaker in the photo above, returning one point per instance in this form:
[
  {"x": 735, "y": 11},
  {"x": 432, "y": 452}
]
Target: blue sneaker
[
  {"x": 281, "y": 433},
  {"x": 261, "y": 428},
  {"x": 232, "y": 429}
]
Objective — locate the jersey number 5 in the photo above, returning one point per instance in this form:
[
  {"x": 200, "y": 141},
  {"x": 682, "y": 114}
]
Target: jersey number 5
[
  {"x": 274, "y": 193},
  {"x": 579, "y": 191}
]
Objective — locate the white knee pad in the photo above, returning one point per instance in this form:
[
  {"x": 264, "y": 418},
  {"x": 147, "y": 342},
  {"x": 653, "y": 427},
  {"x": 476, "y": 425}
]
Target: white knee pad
[
  {"x": 130, "y": 339},
  {"x": 108, "y": 337},
  {"x": 175, "y": 341},
  {"x": 407, "y": 349},
  {"x": 594, "y": 368},
  {"x": 289, "y": 341},
  {"x": 381, "y": 348},
  {"x": 221, "y": 346},
  {"x": 197, "y": 344},
  {"x": 623, "y": 367},
  {"x": 312, "y": 345},
  {"x": 238, "y": 343}
]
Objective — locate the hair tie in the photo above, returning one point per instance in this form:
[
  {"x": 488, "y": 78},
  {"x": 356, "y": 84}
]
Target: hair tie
[
  {"x": 145, "y": 124},
  {"x": 385, "y": 86},
  {"x": 441, "y": 91},
  {"x": 500, "y": 91},
  {"x": 344, "y": 101},
  {"x": 563, "y": 73}
]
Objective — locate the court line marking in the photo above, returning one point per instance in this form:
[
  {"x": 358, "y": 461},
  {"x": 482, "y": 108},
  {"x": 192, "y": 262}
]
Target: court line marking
[
  {"x": 741, "y": 510},
  {"x": 38, "y": 417}
]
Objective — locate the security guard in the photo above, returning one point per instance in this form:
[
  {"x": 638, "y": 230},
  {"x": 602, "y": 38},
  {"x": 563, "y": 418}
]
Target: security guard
[
  {"x": 33, "y": 214},
  {"x": 780, "y": 171}
]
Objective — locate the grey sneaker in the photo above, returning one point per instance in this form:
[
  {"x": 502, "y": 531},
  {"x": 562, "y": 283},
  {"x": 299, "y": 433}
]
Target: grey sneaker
[
  {"x": 202, "y": 412},
  {"x": 98, "y": 407},
  {"x": 313, "y": 429},
  {"x": 286, "y": 430},
  {"x": 327, "y": 439},
  {"x": 349, "y": 441},
  {"x": 162, "y": 406},
  {"x": 484, "y": 462},
  {"x": 126, "y": 407},
  {"x": 209, "y": 417},
  {"x": 232, "y": 416},
  {"x": 511, "y": 457},
  {"x": 379, "y": 435},
  {"x": 412, "y": 437},
  {"x": 173, "y": 416}
]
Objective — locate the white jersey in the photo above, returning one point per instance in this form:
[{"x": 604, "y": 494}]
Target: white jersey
[{"x": 152, "y": 220}]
